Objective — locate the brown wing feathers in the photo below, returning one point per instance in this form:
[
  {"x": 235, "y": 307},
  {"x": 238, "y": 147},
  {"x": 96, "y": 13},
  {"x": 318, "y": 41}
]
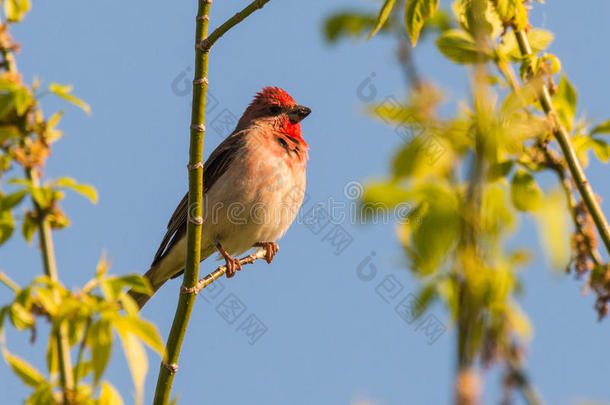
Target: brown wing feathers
[{"x": 214, "y": 167}]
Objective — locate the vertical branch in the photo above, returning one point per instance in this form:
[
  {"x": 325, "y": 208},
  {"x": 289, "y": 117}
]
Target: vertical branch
[
  {"x": 169, "y": 365},
  {"x": 48, "y": 260},
  {"x": 563, "y": 138},
  {"x": 50, "y": 269},
  {"x": 188, "y": 291}
]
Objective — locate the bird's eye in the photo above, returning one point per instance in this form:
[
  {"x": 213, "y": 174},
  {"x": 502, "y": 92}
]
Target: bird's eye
[{"x": 275, "y": 110}]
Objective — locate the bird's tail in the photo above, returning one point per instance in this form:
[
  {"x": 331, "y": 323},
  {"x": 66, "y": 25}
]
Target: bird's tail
[{"x": 156, "y": 278}]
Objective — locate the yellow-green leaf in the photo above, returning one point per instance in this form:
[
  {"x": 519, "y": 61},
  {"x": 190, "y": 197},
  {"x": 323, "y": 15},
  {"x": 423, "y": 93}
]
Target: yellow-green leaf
[
  {"x": 416, "y": 14},
  {"x": 64, "y": 91},
  {"x": 24, "y": 370},
  {"x": 524, "y": 192},
  {"x": 109, "y": 395},
  {"x": 384, "y": 13},
  {"x": 99, "y": 340},
  {"x": 603, "y": 128},
  {"x": 85, "y": 190},
  {"x": 136, "y": 360},
  {"x": 460, "y": 47},
  {"x": 554, "y": 229},
  {"x": 145, "y": 331},
  {"x": 16, "y": 9}
]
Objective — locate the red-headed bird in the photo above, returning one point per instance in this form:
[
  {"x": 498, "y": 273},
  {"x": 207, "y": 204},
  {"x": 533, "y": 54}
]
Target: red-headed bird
[{"x": 253, "y": 187}]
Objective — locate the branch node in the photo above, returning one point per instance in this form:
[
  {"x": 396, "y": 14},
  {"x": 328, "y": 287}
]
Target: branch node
[
  {"x": 204, "y": 45},
  {"x": 197, "y": 165},
  {"x": 203, "y": 80},
  {"x": 198, "y": 127},
  {"x": 195, "y": 220},
  {"x": 189, "y": 290},
  {"x": 204, "y": 17},
  {"x": 173, "y": 368}
]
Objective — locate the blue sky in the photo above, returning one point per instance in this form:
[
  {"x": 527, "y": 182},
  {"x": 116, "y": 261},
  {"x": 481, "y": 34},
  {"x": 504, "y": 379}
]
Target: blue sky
[{"x": 331, "y": 337}]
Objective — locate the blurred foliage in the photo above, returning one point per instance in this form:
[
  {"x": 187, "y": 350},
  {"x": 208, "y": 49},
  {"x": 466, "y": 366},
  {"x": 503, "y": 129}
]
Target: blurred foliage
[
  {"x": 84, "y": 322},
  {"x": 473, "y": 176},
  {"x": 93, "y": 319}
]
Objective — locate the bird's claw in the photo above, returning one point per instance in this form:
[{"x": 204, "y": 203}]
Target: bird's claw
[
  {"x": 271, "y": 248},
  {"x": 232, "y": 265}
]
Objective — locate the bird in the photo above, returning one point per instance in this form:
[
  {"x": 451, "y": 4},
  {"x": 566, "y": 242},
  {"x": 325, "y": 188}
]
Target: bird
[{"x": 253, "y": 187}]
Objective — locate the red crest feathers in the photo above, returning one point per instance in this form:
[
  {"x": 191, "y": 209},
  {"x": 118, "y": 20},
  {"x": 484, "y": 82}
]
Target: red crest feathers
[{"x": 274, "y": 95}]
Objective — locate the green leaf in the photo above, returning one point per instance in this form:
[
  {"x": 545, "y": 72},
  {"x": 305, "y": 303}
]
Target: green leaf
[
  {"x": 460, "y": 47},
  {"x": 46, "y": 300},
  {"x": 496, "y": 215},
  {"x": 438, "y": 209},
  {"x": 22, "y": 99},
  {"x": 136, "y": 360},
  {"x": 11, "y": 200},
  {"x": 21, "y": 317},
  {"x": 554, "y": 229},
  {"x": 15, "y": 10},
  {"x": 384, "y": 13},
  {"x": 601, "y": 150},
  {"x": 566, "y": 100},
  {"x": 42, "y": 395},
  {"x": 24, "y": 370},
  {"x": 136, "y": 282},
  {"x": 7, "y": 225},
  {"x": 99, "y": 339},
  {"x": 64, "y": 91},
  {"x": 349, "y": 24},
  {"x": 7, "y": 132},
  {"x": 383, "y": 194},
  {"x": 506, "y": 9},
  {"x": 28, "y": 228},
  {"x": 520, "y": 322},
  {"x": 416, "y": 14},
  {"x": 52, "y": 358},
  {"x": 145, "y": 331},
  {"x": 524, "y": 192},
  {"x": 85, "y": 190},
  {"x": 539, "y": 40},
  {"x": 521, "y": 16},
  {"x": 109, "y": 395},
  {"x": 603, "y": 128}
]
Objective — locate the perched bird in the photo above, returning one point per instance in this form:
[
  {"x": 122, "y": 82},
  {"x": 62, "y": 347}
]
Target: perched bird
[{"x": 253, "y": 187}]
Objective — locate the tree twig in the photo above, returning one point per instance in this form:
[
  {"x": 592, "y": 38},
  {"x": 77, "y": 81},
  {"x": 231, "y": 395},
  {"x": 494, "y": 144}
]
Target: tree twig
[
  {"x": 50, "y": 269},
  {"x": 203, "y": 42},
  {"x": 563, "y": 138},
  {"x": 220, "y": 271}
]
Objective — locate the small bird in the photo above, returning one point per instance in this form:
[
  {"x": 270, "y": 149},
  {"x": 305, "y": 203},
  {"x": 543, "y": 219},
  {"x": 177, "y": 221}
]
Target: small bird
[{"x": 253, "y": 187}]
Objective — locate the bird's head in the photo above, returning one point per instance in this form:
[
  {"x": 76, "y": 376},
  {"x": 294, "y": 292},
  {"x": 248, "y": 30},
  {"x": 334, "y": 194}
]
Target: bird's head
[{"x": 273, "y": 106}]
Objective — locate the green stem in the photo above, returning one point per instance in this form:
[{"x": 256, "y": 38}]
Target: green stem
[
  {"x": 206, "y": 43},
  {"x": 530, "y": 393},
  {"x": 169, "y": 365},
  {"x": 50, "y": 269},
  {"x": 563, "y": 138},
  {"x": 7, "y": 281}
]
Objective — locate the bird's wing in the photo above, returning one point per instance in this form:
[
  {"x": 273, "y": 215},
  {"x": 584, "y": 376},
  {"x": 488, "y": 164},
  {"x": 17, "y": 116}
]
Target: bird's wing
[{"x": 213, "y": 169}]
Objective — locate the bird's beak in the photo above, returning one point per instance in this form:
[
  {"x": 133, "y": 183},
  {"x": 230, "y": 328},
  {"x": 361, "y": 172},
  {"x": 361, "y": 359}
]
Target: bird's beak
[{"x": 297, "y": 113}]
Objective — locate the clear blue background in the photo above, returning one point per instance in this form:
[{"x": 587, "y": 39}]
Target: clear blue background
[{"x": 331, "y": 339}]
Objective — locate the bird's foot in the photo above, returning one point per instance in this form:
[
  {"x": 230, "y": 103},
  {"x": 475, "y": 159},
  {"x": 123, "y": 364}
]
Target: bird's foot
[
  {"x": 231, "y": 263},
  {"x": 270, "y": 247}
]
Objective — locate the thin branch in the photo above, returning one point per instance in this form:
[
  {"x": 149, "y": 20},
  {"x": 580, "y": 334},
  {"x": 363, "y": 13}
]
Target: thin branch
[
  {"x": 206, "y": 43},
  {"x": 563, "y": 138},
  {"x": 7, "y": 281},
  {"x": 186, "y": 300},
  {"x": 66, "y": 375},
  {"x": 220, "y": 271},
  {"x": 523, "y": 382}
]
